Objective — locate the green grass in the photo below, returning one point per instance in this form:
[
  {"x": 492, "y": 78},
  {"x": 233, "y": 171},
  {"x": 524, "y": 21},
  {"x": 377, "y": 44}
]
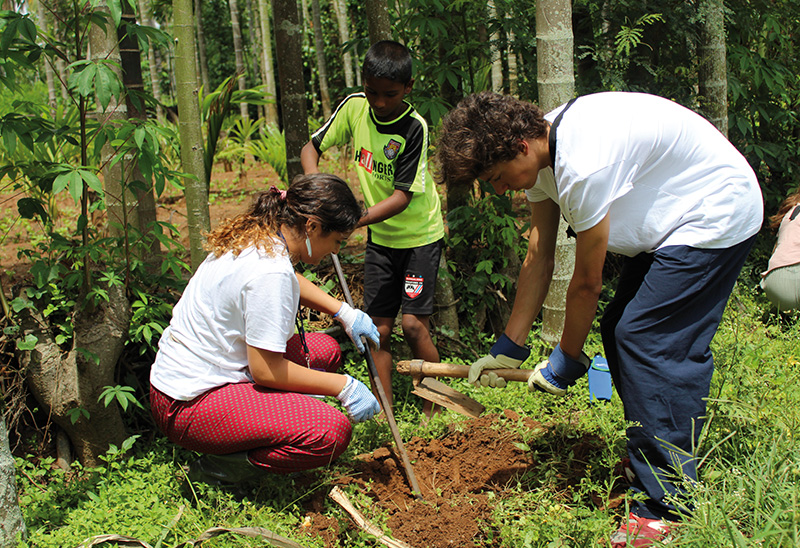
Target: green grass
[{"x": 748, "y": 494}]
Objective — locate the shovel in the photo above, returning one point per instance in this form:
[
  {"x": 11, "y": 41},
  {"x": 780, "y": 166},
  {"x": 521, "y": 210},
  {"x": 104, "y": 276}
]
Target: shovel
[
  {"x": 429, "y": 388},
  {"x": 376, "y": 382}
]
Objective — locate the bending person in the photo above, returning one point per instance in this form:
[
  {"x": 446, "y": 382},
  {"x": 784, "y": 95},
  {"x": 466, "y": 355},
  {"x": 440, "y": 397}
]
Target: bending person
[
  {"x": 781, "y": 280},
  {"x": 230, "y": 378},
  {"x": 644, "y": 177}
]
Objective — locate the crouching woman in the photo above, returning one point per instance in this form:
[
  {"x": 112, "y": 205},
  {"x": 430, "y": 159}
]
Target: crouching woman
[{"x": 231, "y": 378}]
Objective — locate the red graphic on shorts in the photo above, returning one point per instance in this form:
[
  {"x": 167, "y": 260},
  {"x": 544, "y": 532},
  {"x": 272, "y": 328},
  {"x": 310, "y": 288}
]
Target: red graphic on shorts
[
  {"x": 365, "y": 160},
  {"x": 413, "y": 286}
]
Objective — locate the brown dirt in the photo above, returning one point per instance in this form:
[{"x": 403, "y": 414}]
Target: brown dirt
[
  {"x": 461, "y": 476},
  {"x": 456, "y": 474}
]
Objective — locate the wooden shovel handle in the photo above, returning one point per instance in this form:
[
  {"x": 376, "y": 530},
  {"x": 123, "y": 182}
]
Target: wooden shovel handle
[{"x": 420, "y": 368}]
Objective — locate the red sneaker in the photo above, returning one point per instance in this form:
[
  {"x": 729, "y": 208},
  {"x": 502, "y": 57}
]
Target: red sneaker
[{"x": 639, "y": 532}]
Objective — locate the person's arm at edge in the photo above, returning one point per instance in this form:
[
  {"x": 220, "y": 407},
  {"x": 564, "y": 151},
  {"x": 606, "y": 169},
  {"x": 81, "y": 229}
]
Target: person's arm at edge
[
  {"x": 585, "y": 287},
  {"x": 537, "y": 270},
  {"x": 272, "y": 370},
  {"x": 309, "y": 158},
  {"x": 388, "y": 207}
]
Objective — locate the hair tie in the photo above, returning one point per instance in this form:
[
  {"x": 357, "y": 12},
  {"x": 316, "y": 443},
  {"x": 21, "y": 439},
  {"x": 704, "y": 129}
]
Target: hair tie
[{"x": 276, "y": 190}]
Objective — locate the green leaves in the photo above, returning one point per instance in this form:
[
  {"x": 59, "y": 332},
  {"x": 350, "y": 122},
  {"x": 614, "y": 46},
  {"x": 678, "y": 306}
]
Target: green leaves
[
  {"x": 482, "y": 251},
  {"x": 28, "y": 343},
  {"x": 96, "y": 77},
  {"x": 630, "y": 36},
  {"x": 75, "y": 180},
  {"x": 18, "y": 28},
  {"x": 114, "y": 7},
  {"x": 123, "y": 395}
]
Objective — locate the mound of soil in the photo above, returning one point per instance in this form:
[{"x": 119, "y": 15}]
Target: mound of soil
[{"x": 458, "y": 475}]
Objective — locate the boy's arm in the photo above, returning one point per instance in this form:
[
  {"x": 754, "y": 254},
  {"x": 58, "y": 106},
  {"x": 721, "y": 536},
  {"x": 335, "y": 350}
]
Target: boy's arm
[
  {"x": 309, "y": 158},
  {"x": 537, "y": 270},
  {"x": 585, "y": 287},
  {"x": 388, "y": 207}
]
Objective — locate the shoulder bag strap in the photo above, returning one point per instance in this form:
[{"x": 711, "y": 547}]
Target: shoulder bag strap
[{"x": 552, "y": 139}]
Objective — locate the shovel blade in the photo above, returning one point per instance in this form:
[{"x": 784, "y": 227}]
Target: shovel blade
[{"x": 441, "y": 394}]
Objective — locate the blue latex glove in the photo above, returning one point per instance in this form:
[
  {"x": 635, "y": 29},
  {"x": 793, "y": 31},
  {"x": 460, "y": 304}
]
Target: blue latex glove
[
  {"x": 505, "y": 354},
  {"x": 358, "y": 400},
  {"x": 558, "y": 372},
  {"x": 357, "y": 324}
]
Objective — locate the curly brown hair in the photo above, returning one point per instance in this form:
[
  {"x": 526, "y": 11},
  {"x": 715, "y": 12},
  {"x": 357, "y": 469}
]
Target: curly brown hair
[
  {"x": 320, "y": 196},
  {"x": 786, "y": 206},
  {"x": 482, "y": 130}
]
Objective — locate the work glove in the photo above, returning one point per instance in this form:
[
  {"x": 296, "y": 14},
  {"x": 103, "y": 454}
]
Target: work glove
[
  {"x": 558, "y": 372},
  {"x": 358, "y": 400},
  {"x": 505, "y": 354},
  {"x": 356, "y": 323}
]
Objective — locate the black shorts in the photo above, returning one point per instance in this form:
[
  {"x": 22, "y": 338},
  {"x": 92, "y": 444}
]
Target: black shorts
[{"x": 395, "y": 277}]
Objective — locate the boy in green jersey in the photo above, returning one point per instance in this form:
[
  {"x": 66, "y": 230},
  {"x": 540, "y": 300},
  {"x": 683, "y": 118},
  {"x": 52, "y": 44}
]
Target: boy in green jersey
[{"x": 404, "y": 217}]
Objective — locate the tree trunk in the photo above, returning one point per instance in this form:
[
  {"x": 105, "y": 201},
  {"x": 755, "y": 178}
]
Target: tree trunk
[
  {"x": 61, "y": 68},
  {"x": 103, "y": 45},
  {"x": 191, "y": 134},
  {"x": 11, "y": 522},
  {"x": 49, "y": 73},
  {"x": 322, "y": 68},
  {"x": 289, "y": 42},
  {"x": 142, "y": 215},
  {"x": 238, "y": 53},
  {"x": 268, "y": 70},
  {"x": 256, "y": 41},
  {"x": 340, "y": 7},
  {"x": 379, "y": 25},
  {"x": 64, "y": 383},
  {"x": 511, "y": 55},
  {"x": 153, "y": 67},
  {"x": 457, "y": 194},
  {"x": 312, "y": 74},
  {"x": 713, "y": 74},
  {"x": 125, "y": 208},
  {"x": 201, "y": 46},
  {"x": 494, "y": 48},
  {"x": 556, "y": 80}
]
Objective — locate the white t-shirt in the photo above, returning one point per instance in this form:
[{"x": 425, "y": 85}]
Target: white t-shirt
[
  {"x": 664, "y": 174},
  {"x": 230, "y": 302}
]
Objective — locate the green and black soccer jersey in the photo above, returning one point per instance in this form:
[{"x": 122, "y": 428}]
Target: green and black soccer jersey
[{"x": 388, "y": 156}]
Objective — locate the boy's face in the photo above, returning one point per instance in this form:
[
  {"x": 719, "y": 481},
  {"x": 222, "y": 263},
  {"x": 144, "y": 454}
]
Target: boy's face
[
  {"x": 385, "y": 97},
  {"x": 519, "y": 173}
]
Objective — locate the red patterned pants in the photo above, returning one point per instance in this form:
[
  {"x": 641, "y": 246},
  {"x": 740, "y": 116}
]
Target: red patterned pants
[{"x": 282, "y": 432}]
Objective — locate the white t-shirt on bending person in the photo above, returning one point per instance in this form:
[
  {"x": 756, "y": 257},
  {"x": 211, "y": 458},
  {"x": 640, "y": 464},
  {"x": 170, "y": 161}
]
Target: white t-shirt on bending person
[
  {"x": 664, "y": 174},
  {"x": 230, "y": 302}
]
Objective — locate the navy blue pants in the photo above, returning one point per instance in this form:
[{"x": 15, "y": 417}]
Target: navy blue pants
[{"x": 656, "y": 334}]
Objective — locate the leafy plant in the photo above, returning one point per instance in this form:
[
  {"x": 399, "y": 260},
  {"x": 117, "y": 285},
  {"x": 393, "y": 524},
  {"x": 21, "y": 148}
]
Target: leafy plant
[
  {"x": 271, "y": 149},
  {"x": 630, "y": 36},
  {"x": 483, "y": 283},
  {"x": 123, "y": 395}
]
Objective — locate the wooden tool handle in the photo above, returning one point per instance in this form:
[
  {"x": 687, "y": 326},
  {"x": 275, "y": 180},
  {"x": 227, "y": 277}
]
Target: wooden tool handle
[
  {"x": 420, "y": 368},
  {"x": 375, "y": 379}
]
